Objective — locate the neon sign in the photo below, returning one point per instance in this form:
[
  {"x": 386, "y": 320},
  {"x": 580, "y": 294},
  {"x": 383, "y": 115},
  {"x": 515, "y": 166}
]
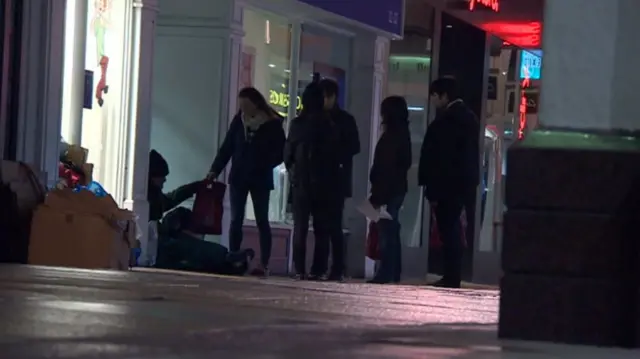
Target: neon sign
[
  {"x": 525, "y": 84},
  {"x": 490, "y": 4},
  {"x": 282, "y": 99},
  {"x": 527, "y": 35}
]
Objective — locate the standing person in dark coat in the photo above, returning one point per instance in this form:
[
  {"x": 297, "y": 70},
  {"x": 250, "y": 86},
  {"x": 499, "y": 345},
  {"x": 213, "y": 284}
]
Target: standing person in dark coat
[
  {"x": 349, "y": 143},
  {"x": 350, "y": 138},
  {"x": 449, "y": 170},
  {"x": 254, "y": 143},
  {"x": 313, "y": 160},
  {"x": 388, "y": 177}
]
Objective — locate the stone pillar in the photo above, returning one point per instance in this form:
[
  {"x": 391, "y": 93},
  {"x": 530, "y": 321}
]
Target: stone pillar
[
  {"x": 41, "y": 86},
  {"x": 141, "y": 75},
  {"x": 370, "y": 61},
  {"x": 74, "y": 68},
  {"x": 571, "y": 251}
]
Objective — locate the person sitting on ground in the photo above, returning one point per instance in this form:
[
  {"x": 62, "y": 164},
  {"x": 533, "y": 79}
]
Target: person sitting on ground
[{"x": 161, "y": 202}]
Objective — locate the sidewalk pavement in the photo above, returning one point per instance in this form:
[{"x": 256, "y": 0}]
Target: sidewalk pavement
[{"x": 68, "y": 313}]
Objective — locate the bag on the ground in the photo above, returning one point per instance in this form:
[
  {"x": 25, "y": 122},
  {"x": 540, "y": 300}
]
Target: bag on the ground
[
  {"x": 208, "y": 208},
  {"x": 373, "y": 242}
]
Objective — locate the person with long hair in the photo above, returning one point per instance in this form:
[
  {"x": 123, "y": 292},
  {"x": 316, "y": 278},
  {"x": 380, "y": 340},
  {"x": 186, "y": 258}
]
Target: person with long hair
[
  {"x": 254, "y": 143},
  {"x": 388, "y": 177},
  {"x": 313, "y": 159}
]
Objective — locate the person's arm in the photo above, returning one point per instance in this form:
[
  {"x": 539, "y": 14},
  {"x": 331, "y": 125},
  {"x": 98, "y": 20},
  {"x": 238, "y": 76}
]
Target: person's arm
[
  {"x": 351, "y": 135},
  {"x": 277, "y": 141},
  {"x": 384, "y": 160},
  {"x": 226, "y": 150},
  {"x": 291, "y": 144},
  {"x": 174, "y": 198},
  {"x": 424, "y": 163}
]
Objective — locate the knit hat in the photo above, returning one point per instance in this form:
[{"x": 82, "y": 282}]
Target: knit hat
[{"x": 158, "y": 166}]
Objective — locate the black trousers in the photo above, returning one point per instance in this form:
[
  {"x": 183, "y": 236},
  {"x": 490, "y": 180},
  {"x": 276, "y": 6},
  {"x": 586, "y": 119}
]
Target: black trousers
[
  {"x": 448, "y": 217},
  {"x": 327, "y": 228},
  {"x": 260, "y": 197}
]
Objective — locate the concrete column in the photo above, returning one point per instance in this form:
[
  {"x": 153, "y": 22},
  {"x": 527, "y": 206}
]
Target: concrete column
[
  {"x": 141, "y": 74},
  {"x": 570, "y": 242},
  {"x": 366, "y": 91},
  {"x": 74, "y": 67},
  {"x": 41, "y": 86},
  {"x": 590, "y": 72}
]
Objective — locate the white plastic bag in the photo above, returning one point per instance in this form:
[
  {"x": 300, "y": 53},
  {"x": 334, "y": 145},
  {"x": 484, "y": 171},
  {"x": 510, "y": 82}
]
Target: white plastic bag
[{"x": 149, "y": 247}]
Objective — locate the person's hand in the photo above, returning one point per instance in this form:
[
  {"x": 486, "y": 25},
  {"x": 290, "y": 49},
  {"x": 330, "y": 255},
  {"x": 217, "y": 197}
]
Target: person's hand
[
  {"x": 373, "y": 204},
  {"x": 211, "y": 176}
]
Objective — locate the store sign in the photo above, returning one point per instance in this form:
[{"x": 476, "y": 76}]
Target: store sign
[
  {"x": 385, "y": 15},
  {"x": 524, "y": 107},
  {"x": 281, "y": 99},
  {"x": 489, "y": 4}
]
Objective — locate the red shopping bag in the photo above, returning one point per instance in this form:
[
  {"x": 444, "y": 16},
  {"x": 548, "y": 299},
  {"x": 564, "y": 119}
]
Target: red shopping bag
[
  {"x": 434, "y": 236},
  {"x": 208, "y": 208},
  {"x": 373, "y": 242}
]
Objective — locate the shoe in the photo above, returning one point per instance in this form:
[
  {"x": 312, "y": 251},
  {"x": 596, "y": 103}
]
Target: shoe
[
  {"x": 262, "y": 272},
  {"x": 336, "y": 278},
  {"x": 318, "y": 277},
  {"x": 378, "y": 281},
  {"x": 299, "y": 276},
  {"x": 443, "y": 283}
]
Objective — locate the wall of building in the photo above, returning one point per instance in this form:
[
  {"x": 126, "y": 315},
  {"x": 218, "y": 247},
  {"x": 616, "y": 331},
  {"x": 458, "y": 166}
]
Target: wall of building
[{"x": 194, "y": 83}]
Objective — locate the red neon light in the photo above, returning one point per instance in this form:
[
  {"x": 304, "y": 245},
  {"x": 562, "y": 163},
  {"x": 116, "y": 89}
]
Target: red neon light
[
  {"x": 491, "y": 4},
  {"x": 526, "y": 35},
  {"x": 526, "y": 83}
]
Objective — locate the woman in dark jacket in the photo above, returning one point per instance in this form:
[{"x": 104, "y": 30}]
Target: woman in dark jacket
[
  {"x": 391, "y": 163},
  {"x": 254, "y": 143}
]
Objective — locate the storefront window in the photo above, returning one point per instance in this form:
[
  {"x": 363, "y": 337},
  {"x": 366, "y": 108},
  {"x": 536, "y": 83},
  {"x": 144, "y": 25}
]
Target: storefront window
[
  {"x": 265, "y": 66},
  {"x": 327, "y": 54},
  {"x": 409, "y": 76}
]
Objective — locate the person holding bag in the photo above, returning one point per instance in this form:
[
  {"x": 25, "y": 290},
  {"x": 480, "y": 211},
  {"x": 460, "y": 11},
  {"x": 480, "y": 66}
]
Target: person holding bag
[
  {"x": 254, "y": 143},
  {"x": 388, "y": 177}
]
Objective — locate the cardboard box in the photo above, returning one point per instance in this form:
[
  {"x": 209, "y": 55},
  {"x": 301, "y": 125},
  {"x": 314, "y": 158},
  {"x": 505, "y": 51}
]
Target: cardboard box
[
  {"x": 87, "y": 170},
  {"x": 83, "y": 231},
  {"x": 77, "y": 155}
]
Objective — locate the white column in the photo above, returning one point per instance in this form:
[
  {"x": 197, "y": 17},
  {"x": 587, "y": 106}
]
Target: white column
[
  {"x": 590, "y": 70},
  {"x": 41, "y": 86},
  {"x": 366, "y": 91},
  {"x": 74, "y": 61},
  {"x": 141, "y": 74}
]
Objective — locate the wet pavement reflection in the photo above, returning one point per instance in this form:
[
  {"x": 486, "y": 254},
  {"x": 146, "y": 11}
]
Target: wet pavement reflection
[{"x": 68, "y": 313}]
